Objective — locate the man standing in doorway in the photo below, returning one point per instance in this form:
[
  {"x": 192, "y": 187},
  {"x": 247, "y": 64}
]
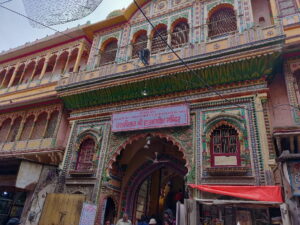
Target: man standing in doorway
[{"x": 124, "y": 220}]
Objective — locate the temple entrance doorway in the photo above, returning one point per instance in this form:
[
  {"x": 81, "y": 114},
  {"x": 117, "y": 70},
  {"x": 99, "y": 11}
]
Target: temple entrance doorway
[
  {"x": 151, "y": 169},
  {"x": 159, "y": 193}
]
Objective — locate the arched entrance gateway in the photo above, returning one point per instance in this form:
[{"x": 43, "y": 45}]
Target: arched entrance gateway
[{"x": 150, "y": 170}]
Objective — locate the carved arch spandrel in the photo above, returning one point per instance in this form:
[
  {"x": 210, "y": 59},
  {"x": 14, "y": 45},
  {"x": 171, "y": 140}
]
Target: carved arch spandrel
[{"x": 134, "y": 138}]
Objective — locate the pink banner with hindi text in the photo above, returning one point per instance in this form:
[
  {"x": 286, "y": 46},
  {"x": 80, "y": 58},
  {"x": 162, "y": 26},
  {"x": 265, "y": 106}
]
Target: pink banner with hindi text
[{"x": 158, "y": 117}]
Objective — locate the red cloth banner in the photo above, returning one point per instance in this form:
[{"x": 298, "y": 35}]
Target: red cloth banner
[{"x": 258, "y": 193}]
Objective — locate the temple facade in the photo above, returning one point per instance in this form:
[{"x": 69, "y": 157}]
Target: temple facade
[{"x": 184, "y": 106}]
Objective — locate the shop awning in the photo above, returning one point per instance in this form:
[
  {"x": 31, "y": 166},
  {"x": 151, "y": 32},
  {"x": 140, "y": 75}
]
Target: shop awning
[{"x": 258, "y": 193}]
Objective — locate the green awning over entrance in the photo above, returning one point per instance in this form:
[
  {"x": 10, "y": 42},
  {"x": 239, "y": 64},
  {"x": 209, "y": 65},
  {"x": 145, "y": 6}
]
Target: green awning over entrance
[{"x": 228, "y": 73}]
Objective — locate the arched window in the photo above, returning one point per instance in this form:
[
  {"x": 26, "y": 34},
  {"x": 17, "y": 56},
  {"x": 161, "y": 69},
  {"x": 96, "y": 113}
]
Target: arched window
[
  {"x": 39, "y": 126},
  {"x": 14, "y": 130},
  {"x": 85, "y": 155},
  {"x": 4, "y": 129},
  {"x": 222, "y": 21},
  {"x": 52, "y": 124},
  {"x": 158, "y": 44},
  {"x": 27, "y": 128},
  {"x": 108, "y": 54},
  {"x": 180, "y": 34},
  {"x": 225, "y": 147},
  {"x": 139, "y": 43}
]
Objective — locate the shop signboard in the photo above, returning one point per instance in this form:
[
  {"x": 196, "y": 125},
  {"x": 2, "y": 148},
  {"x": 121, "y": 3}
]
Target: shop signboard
[
  {"x": 294, "y": 174},
  {"x": 88, "y": 214},
  {"x": 158, "y": 117}
]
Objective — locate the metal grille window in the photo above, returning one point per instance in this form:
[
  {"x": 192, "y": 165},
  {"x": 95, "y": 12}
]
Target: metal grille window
[
  {"x": 52, "y": 124},
  {"x": 180, "y": 35},
  {"x": 158, "y": 45},
  {"x": 225, "y": 142},
  {"x": 139, "y": 44},
  {"x": 109, "y": 53},
  {"x": 14, "y": 130},
  {"x": 287, "y": 7},
  {"x": 85, "y": 155},
  {"x": 222, "y": 21}
]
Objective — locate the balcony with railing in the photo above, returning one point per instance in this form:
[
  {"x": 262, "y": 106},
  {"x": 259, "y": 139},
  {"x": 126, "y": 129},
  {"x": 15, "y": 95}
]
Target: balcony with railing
[
  {"x": 41, "y": 70},
  {"x": 216, "y": 44},
  {"x": 33, "y": 135}
]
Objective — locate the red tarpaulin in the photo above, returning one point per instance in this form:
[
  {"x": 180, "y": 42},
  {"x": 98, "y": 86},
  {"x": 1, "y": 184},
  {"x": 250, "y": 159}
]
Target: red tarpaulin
[{"x": 258, "y": 193}]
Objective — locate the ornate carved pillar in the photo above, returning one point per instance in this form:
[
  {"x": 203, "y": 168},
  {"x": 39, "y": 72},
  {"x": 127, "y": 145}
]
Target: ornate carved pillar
[
  {"x": 14, "y": 75},
  {"x": 7, "y": 70},
  {"x": 46, "y": 125},
  {"x": 23, "y": 73},
  {"x": 262, "y": 130},
  {"x": 44, "y": 67},
  {"x": 35, "y": 67},
  {"x": 32, "y": 128},
  {"x": 55, "y": 64},
  {"x": 274, "y": 10},
  {"x": 67, "y": 62},
  {"x": 78, "y": 59},
  {"x": 169, "y": 39},
  {"x": 18, "y": 136},
  {"x": 9, "y": 130},
  {"x": 129, "y": 50},
  {"x": 149, "y": 42}
]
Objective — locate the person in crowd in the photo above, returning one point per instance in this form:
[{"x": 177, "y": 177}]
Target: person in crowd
[
  {"x": 143, "y": 221},
  {"x": 152, "y": 221},
  {"x": 168, "y": 216},
  {"x": 108, "y": 222},
  {"x": 166, "y": 222},
  {"x": 124, "y": 220}
]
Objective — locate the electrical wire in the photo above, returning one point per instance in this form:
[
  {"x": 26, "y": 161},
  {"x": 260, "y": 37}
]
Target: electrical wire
[
  {"x": 209, "y": 87},
  {"x": 5, "y": 2}
]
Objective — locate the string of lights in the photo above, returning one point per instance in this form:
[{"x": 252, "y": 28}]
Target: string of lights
[{"x": 165, "y": 43}]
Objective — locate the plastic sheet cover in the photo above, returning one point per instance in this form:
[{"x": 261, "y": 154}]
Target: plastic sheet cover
[{"x": 258, "y": 193}]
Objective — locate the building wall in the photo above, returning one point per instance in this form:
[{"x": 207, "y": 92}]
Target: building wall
[
  {"x": 281, "y": 113},
  {"x": 261, "y": 9}
]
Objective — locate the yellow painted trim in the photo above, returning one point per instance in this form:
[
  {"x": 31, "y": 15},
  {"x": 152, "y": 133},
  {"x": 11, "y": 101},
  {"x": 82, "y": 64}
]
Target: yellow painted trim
[{"x": 107, "y": 23}]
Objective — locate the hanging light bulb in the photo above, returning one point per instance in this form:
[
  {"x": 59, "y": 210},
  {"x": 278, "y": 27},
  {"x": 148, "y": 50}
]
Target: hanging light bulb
[{"x": 144, "y": 92}]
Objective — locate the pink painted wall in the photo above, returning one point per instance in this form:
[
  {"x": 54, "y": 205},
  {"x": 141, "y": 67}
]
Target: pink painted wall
[
  {"x": 280, "y": 114},
  {"x": 261, "y": 9},
  {"x": 63, "y": 132}
]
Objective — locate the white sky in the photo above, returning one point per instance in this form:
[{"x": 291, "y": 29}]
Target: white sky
[{"x": 16, "y": 30}]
